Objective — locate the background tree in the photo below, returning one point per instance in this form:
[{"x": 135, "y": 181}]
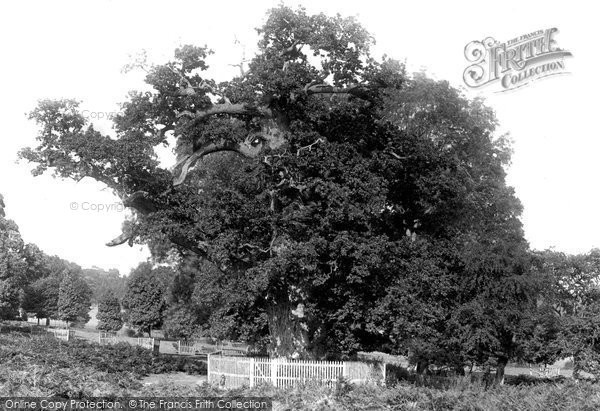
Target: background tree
[
  {"x": 103, "y": 282},
  {"x": 37, "y": 263},
  {"x": 12, "y": 266},
  {"x": 109, "y": 313},
  {"x": 181, "y": 321},
  {"x": 144, "y": 300},
  {"x": 73, "y": 299},
  {"x": 41, "y": 298},
  {"x": 31, "y": 280},
  {"x": 568, "y": 310}
]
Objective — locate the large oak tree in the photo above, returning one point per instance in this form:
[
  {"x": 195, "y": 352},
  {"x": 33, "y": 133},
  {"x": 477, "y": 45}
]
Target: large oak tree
[{"x": 327, "y": 199}]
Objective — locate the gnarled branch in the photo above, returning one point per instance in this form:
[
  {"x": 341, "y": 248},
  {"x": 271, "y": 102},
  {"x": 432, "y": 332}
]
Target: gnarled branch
[
  {"x": 323, "y": 88},
  {"x": 254, "y": 247},
  {"x": 310, "y": 146},
  {"x": 125, "y": 236},
  {"x": 396, "y": 156},
  {"x": 234, "y": 109}
]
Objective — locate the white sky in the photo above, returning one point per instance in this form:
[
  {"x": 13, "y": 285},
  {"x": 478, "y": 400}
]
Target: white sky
[{"x": 77, "y": 49}]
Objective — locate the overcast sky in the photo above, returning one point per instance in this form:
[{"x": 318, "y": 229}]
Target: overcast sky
[{"x": 56, "y": 49}]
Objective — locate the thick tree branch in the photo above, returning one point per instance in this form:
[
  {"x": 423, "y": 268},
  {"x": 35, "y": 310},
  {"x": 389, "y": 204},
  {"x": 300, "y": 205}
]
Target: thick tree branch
[
  {"x": 292, "y": 51},
  {"x": 125, "y": 236},
  {"x": 234, "y": 109},
  {"x": 187, "y": 88},
  {"x": 96, "y": 173},
  {"x": 310, "y": 146},
  {"x": 254, "y": 247},
  {"x": 396, "y": 156},
  {"x": 161, "y": 133},
  {"x": 323, "y": 88}
]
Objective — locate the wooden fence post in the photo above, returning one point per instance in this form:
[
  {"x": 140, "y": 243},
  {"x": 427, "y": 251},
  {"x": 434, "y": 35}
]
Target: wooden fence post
[
  {"x": 252, "y": 372},
  {"x": 207, "y": 366},
  {"x": 274, "y": 362},
  {"x": 345, "y": 371}
]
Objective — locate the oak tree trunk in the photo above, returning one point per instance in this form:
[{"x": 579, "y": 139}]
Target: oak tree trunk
[
  {"x": 500, "y": 368},
  {"x": 288, "y": 332}
]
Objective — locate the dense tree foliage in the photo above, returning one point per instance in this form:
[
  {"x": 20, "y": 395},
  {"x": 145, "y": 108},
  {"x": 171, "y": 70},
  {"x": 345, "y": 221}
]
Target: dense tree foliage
[
  {"x": 73, "y": 299},
  {"x": 145, "y": 299},
  {"x": 181, "y": 322},
  {"x": 109, "y": 313},
  {"x": 41, "y": 297},
  {"x": 12, "y": 266},
  {"x": 566, "y": 322}
]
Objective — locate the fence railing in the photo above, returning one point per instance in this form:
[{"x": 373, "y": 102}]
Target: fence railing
[
  {"x": 147, "y": 343},
  {"x": 105, "y": 338},
  {"x": 234, "y": 372},
  {"x": 63, "y": 334},
  {"x": 231, "y": 349},
  {"x": 51, "y": 322},
  {"x": 191, "y": 348},
  {"x": 545, "y": 371}
]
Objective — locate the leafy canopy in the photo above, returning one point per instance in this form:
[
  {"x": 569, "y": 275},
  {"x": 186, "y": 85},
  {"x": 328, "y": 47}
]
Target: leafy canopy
[{"x": 368, "y": 207}]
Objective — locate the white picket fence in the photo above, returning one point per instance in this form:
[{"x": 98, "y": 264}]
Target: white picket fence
[
  {"x": 105, "y": 338},
  {"x": 227, "y": 348},
  {"x": 545, "y": 371},
  {"x": 232, "y": 372},
  {"x": 147, "y": 343},
  {"x": 184, "y": 348},
  {"x": 51, "y": 323},
  {"x": 63, "y": 334}
]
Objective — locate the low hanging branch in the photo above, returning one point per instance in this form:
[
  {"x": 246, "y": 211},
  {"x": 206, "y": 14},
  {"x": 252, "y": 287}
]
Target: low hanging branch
[
  {"x": 124, "y": 237},
  {"x": 140, "y": 202},
  {"x": 144, "y": 205}
]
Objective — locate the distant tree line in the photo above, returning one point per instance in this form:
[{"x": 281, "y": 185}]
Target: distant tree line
[{"x": 48, "y": 287}]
